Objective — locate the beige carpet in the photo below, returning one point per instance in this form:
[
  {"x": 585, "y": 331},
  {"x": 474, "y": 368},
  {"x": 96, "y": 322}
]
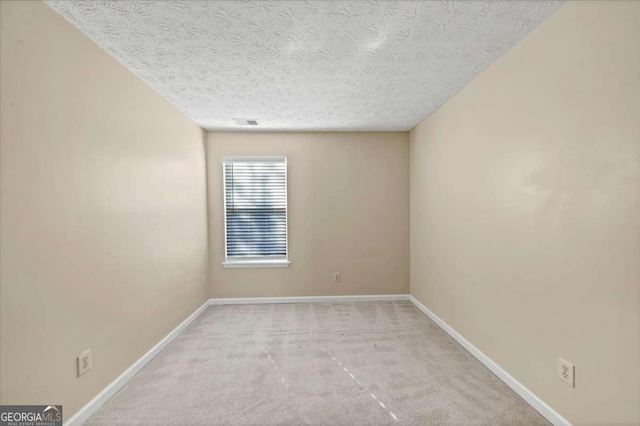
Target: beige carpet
[{"x": 322, "y": 364}]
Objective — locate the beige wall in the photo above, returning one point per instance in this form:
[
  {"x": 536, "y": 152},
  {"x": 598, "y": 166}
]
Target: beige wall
[
  {"x": 525, "y": 211},
  {"x": 103, "y": 212},
  {"x": 348, "y": 197}
]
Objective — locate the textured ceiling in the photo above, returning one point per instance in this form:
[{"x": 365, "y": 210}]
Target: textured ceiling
[{"x": 306, "y": 65}]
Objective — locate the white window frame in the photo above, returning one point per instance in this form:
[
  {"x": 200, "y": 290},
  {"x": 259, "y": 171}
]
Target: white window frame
[{"x": 255, "y": 261}]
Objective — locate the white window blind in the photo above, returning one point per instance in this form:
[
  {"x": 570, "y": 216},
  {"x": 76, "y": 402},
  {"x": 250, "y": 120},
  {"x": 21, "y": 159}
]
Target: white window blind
[{"x": 255, "y": 203}]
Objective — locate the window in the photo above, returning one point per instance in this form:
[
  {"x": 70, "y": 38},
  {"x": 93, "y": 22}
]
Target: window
[{"x": 255, "y": 212}]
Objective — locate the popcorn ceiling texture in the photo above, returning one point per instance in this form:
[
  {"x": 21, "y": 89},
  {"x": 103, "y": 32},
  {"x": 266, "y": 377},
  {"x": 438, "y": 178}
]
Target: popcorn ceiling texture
[{"x": 307, "y": 65}]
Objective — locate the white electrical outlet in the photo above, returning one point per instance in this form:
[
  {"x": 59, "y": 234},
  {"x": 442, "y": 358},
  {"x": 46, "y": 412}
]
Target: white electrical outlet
[
  {"x": 336, "y": 277},
  {"x": 566, "y": 372},
  {"x": 84, "y": 362}
]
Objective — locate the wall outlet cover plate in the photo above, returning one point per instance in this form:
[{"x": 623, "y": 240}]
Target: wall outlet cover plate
[
  {"x": 566, "y": 372},
  {"x": 84, "y": 362}
]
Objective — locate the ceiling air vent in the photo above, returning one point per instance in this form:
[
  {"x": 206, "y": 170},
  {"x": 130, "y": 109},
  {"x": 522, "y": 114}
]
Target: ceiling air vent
[{"x": 246, "y": 121}]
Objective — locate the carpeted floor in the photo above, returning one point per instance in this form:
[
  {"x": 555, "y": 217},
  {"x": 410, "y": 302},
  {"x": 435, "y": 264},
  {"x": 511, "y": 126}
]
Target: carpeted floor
[{"x": 320, "y": 363}]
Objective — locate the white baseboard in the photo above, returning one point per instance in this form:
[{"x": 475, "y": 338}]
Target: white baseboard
[
  {"x": 538, "y": 404},
  {"x": 98, "y": 401},
  {"x": 308, "y": 299}
]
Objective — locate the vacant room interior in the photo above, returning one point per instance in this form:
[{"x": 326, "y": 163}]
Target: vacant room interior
[{"x": 320, "y": 212}]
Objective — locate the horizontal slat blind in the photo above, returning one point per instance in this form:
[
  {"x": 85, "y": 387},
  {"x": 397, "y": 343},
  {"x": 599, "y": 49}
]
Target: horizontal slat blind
[{"x": 256, "y": 207}]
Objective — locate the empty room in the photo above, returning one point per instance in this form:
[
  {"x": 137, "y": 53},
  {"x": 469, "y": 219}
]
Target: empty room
[{"x": 319, "y": 212}]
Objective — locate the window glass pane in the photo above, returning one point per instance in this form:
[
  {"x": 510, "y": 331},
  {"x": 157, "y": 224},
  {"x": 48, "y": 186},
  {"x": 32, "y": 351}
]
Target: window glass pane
[{"x": 256, "y": 208}]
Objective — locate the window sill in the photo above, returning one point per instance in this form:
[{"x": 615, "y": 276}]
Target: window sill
[{"x": 280, "y": 263}]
